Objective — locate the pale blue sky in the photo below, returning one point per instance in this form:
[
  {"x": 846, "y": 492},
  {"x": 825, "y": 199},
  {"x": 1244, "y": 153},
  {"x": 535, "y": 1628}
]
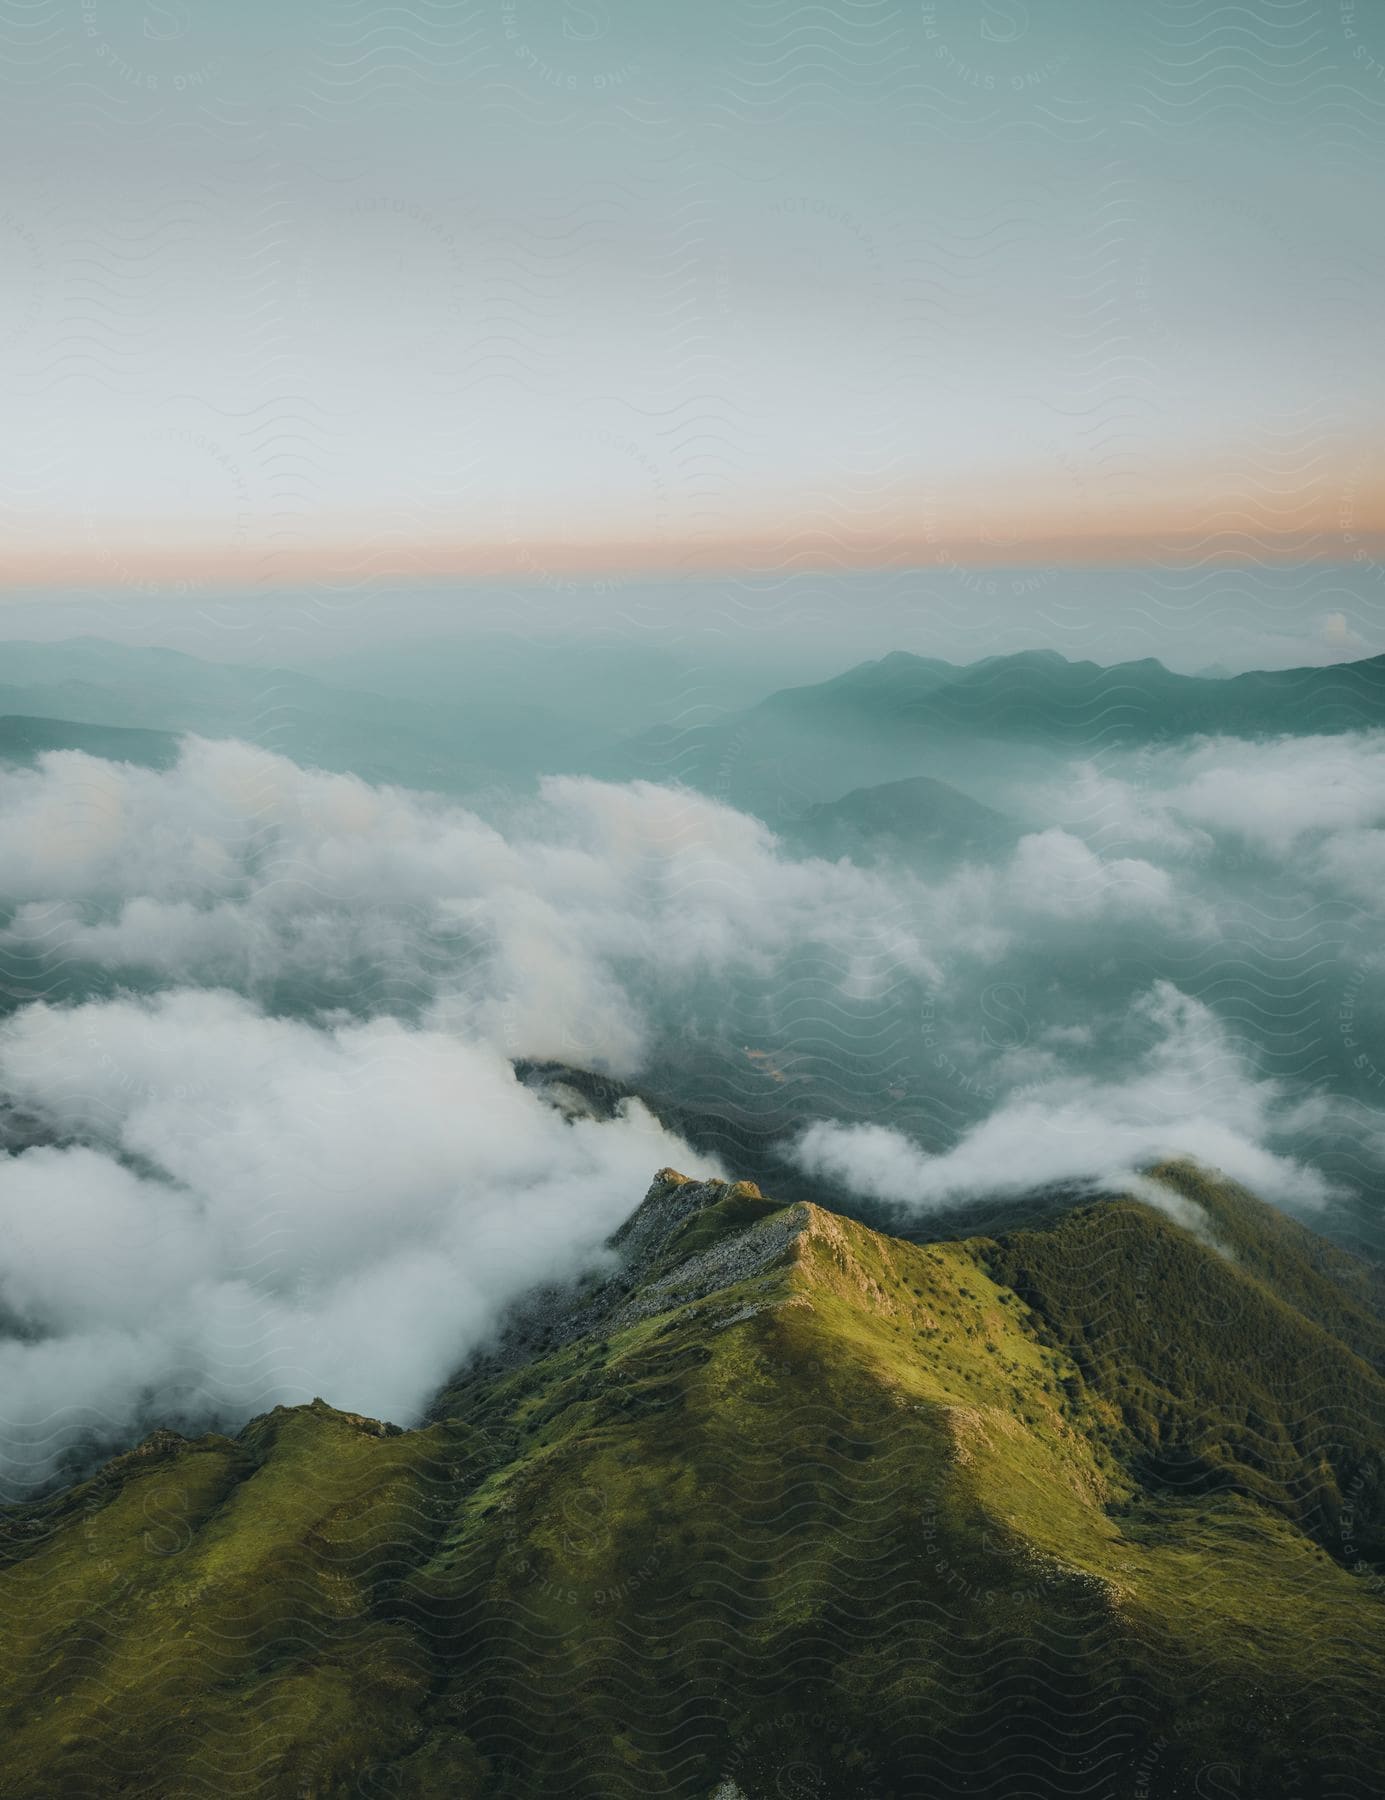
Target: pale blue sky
[{"x": 534, "y": 273}]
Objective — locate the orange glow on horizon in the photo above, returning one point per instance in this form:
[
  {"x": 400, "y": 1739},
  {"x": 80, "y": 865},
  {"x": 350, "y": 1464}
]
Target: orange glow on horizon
[{"x": 1194, "y": 517}]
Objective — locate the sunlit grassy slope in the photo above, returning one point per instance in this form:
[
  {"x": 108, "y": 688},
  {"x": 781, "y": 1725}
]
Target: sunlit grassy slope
[{"x": 783, "y": 1506}]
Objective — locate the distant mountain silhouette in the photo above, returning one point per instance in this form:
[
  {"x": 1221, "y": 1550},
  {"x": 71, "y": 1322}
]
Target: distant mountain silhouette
[
  {"x": 454, "y": 748},
  {"x": 22, "y": 738},
  {"x": 906, "y": 716},
  {"x": 903, "y": 717},
  {"x": 916, "y": 820}
]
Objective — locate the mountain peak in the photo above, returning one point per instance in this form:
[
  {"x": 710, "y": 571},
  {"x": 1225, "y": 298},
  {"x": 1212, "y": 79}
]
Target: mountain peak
[
  {"x": 849, "y": 1469},
  {"x": 1047, "y": 658}
]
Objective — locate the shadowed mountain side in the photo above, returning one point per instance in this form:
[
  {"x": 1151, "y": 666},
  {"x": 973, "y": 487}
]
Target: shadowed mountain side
[
  {"x": 23, "y": 739},
  {"x": 771, "y": 1499}
]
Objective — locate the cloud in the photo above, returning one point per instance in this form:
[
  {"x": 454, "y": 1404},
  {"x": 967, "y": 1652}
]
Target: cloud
[
  {"x": 1354, "y": 863},
  {"x": 1275, "y": 795},
  {"x": 1338, "y": 636},
  {"x": 1117, "y": 811},
  {"x": 600, "y": 907},
  {"x": 278, "y": 1148},
  {"x": 237, "y": 1211},
  {"x": 1192, "y": 798},
  {"x": 1054, "y": 872},
  {"x": 292, "y": 1157},
  {"x": 1190, "y": 1095}
]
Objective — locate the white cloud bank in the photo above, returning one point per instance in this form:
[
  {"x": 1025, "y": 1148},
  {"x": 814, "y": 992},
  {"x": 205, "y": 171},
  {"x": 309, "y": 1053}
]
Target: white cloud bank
[
  {"x": 238, "y": 868},
  {"x": 236, "y": 1209},
  {"x": 245, "y": 1211},
  {"x": 1319, "y": 800},
  {"x": 1190, "y": 1095}
]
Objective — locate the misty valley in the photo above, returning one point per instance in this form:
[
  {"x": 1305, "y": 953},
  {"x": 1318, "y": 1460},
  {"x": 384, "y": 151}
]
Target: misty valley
[{"x": 561, "y": 1237}]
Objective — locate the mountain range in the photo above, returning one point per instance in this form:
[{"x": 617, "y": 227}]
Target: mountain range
[
  {"x": 907, "y": 715},
  {"x": 770, "y": 1503},
  {"x": 512, "y": 717}
]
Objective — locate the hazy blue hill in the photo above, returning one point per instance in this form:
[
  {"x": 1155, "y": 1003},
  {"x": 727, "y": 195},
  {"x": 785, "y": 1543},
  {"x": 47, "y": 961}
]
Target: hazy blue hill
[
  {"x": 597, "y": 682},
  {"x": 23, "y": 738},
  {"x": 1337, "y": 697},
  {"x": 166, "y": 689},
  {"x": 80, "y": 702},
  {"x": 906, "y": 716},
  {"x": 1040, "y": 695},
  {"x": 427, "y": 744},
  {"x": 774, "y": 1504},
  {"x": 900, "y": 675},
  {"x": 455, "y": 714},
  {"x": 89, "y": 658},
  {"x": 919, "y": 821},
  {"x": 506, "y": 714}
]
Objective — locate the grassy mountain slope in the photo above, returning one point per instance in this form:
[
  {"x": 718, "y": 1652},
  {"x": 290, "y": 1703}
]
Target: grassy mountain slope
[{"x": 776, "y": 1505}]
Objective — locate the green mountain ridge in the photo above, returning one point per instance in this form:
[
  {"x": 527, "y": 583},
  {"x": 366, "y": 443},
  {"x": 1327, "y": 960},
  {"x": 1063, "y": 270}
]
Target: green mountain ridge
[{"x": 771, "y": 1503}]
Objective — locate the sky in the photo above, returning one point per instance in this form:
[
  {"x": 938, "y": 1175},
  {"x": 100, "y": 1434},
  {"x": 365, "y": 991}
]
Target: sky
[{"x": 301, "y": 299}]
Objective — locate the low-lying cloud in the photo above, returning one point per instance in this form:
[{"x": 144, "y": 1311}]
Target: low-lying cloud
[
  {"x": 1189, "y": 1095},
  {"x": 270, "y": 1144},
  {"x": 237, "y": 1211},
  {"x": 1191, "y": 799},
  {"x": 598, "y": 908}
]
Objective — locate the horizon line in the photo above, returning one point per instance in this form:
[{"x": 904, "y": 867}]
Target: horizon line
[{"x": 558, "y": 563}]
